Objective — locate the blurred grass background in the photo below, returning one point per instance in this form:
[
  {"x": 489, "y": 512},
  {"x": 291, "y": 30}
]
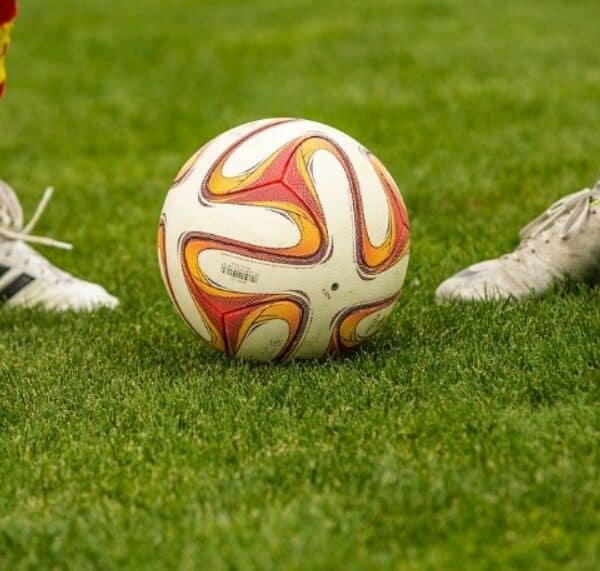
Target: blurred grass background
[{"x": 463, "y": 437}]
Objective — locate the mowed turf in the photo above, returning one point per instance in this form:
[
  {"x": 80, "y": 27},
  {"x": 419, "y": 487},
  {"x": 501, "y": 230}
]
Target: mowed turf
[{"x": 460, "y": 438}]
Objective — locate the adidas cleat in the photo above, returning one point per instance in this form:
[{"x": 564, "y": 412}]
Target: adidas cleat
[
  {"x": 563, "y": 243},
  {"x": 27, "y": 279}
]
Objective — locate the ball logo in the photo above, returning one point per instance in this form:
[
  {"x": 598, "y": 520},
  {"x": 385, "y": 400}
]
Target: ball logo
[
  {"x": 239, "y": 272},
  {"x": 261, "y": 227}
]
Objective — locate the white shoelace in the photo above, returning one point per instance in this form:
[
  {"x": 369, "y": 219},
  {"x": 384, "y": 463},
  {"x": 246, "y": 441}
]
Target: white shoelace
[
  {"x": 576, "y": 205},
  {"x": 12, "y": 229}
]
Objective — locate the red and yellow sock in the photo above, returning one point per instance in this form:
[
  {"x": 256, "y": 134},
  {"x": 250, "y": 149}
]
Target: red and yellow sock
[{"x": 8, "y": 12}]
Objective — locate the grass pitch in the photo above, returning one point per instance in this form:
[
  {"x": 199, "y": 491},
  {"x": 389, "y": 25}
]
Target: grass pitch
[{"x": 463, "y": 437}]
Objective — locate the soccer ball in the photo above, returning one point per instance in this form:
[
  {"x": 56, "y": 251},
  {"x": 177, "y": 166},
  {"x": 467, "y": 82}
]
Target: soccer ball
[{"x": 283, "y": 238}]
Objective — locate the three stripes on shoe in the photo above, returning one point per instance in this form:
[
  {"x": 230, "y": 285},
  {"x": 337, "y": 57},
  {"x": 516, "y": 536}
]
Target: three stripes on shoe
[{"x": 14, "y": 286}]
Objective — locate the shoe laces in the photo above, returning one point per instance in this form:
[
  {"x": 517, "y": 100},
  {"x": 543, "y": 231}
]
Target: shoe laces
[
  {"x": 574, "y": 208},
  {"x": 26, "y": 257},
  {"x": 11, "y": 219}
]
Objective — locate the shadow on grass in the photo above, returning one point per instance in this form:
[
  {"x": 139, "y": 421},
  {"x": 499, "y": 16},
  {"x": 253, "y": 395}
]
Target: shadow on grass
[{"x": 422, "y": 343}]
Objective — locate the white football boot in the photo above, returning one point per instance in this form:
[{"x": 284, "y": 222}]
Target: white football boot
[
  {"x": 563, "y": 243},
  {"x": 27, "y": 279}
]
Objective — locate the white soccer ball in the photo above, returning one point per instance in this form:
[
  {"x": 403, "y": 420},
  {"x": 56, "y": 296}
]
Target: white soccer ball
[{"x": 283, "y": 238}]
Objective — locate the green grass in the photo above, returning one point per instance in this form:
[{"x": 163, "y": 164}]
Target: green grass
[{"x": 462, "y": 438}]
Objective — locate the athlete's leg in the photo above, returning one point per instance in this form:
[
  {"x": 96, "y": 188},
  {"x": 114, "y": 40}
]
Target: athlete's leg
[
  {"x": 564, "y": 242},
  {"x": 26, "y": 277},
  {"x": 8, "y": 12}
]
